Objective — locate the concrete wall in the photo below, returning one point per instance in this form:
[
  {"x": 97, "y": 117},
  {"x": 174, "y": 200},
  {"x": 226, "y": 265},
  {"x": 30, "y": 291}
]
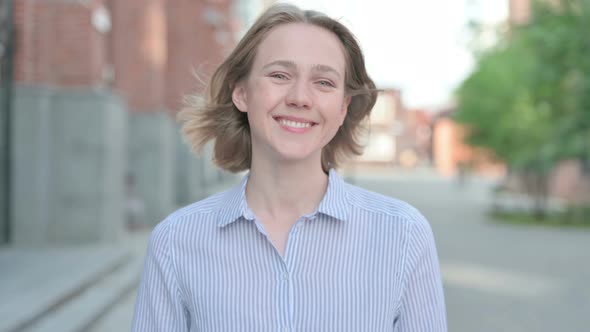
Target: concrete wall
[
  {"x": 196, "y": 175},
  {"x": 190, "y": 174},
  {"x": 152, "y": 159},
  {"x": 3, "y": 179},
  {"x": 68, "y": 166}
]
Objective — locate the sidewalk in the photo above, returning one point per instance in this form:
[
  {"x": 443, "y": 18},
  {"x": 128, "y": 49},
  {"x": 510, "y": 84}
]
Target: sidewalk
[{"x": 68, "y": 288}]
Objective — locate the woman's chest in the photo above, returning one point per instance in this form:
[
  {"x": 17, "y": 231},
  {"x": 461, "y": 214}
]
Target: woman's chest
[{"x": 303, "y": 292}]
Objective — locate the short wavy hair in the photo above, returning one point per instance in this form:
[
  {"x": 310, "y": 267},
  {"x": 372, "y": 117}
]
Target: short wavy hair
[{"x": 214, "y": 117}]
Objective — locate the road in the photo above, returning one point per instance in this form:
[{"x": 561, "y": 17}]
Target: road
[{"x": 497, "y": 277}]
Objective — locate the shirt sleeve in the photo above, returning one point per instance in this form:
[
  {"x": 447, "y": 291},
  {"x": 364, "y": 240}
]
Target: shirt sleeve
[
  {"x": 159, "y": 306},
  {"x": 422, "y": 306}
]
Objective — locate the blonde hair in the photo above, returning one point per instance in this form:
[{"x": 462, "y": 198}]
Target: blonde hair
[{"x": 216, "y": 118}]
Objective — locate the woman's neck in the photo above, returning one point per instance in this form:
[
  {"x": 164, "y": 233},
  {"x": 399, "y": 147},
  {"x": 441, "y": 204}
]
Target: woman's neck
[{"x": 281, "y": 191}]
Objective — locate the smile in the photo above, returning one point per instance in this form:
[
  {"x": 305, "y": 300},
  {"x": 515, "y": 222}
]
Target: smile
[{"x": 294, "y": 122}]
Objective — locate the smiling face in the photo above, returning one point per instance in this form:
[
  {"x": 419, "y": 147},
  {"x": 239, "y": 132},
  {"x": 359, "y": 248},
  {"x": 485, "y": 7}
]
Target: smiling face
[{"x": 294, "y": 95}]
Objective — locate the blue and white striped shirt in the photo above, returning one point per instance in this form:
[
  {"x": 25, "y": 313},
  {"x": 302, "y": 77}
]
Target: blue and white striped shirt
[{"x": 361, "y": 262}]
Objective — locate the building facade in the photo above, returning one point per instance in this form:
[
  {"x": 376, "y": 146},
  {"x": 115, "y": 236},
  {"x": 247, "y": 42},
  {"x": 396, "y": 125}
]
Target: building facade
[
  {"x": 519, "y": 11},
  {"x": 383, "y": 129},
  {"x": 452, "y": 156},
  {"x": 96, "y": 88}
]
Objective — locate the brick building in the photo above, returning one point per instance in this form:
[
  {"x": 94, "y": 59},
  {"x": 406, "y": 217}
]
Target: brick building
[
  {"x": 519, "y": 11},
  {"x": 96, "y": 86},
  {"x": 415, "y": 142},
  {"x": 397, "y": 136},
  {"x": 384, "y": 128},
  {"x": 451, "y": 153}
]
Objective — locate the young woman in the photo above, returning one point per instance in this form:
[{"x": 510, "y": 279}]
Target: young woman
[{"x": 293, "y": 247}]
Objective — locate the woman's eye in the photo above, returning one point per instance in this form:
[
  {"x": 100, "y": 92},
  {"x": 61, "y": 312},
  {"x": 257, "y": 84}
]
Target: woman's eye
[
  {"x": 279, "y": 76},
  {"x": 326, "y": 83}
]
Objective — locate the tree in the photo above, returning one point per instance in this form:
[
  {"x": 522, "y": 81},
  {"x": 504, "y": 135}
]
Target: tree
[{"x": 529, "y": 98}]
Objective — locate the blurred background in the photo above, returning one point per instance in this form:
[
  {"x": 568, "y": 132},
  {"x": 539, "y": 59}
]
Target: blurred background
[{"x": 483, "y": 124}]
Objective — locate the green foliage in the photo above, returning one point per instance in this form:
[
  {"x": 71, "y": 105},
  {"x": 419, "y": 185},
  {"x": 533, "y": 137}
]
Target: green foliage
[
  {"x": 528, "y": 100},
  {"x": 575, "y": 217}
]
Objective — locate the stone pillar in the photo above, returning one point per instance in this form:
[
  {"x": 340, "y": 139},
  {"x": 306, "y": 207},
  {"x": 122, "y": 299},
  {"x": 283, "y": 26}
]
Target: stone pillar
[
  {"x": 68, "y": 166},
  {"x": 139, "y": 58},
  {"x": 68, "y": 128},
  {"x": 151, "y": 161}
]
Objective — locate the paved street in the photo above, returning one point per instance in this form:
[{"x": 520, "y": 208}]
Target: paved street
[
  {"x": 497, "y": 277},
  {"x": 500, "y": 277}
]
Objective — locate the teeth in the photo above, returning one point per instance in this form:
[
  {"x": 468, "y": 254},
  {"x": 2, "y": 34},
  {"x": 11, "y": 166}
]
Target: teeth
[{"x": 295, "y": 124}]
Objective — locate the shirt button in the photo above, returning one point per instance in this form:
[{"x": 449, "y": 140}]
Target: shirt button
[{"x": 286, "y": 277}]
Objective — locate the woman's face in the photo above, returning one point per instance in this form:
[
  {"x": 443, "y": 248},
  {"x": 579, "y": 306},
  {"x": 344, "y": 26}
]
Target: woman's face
[{"x": 294, "y": 95}]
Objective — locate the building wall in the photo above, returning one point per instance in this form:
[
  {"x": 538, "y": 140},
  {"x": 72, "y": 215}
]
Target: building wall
[
  {"x": 199, "y": 36},
  {"x": 100, "y": 82},
  {"x": 569, "y": 181},
  {"x": 56, "y": 43},
  {"x": 151, "y": 160},
  {"x": 158, "y": 47},
  {"x": 4, "y": 180},
  {"x": 444, "y": 142},
  {"x": 381, "y": 139},
  {"x": 68, "y": 162},
  {"x": 519, "y": 11},
  {"x": 68, "y": 144},
  {"x": 5, "y": 57},
  {"x": 451, "y": 153},
  {"x": 139, "y": 53},
  {"x": 415, "y": 141},
  {"x": 245, "y": 13}
]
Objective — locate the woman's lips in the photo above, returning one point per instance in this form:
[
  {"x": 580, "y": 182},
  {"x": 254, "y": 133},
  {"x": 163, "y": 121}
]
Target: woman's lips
[{"x": 294, "y": 124}]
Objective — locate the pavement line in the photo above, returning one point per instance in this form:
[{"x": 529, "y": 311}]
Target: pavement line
[{"x": 497, "y": 281}]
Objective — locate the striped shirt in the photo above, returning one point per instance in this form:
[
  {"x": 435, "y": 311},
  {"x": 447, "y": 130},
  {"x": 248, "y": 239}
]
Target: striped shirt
[{"x": 361, "y": 262}]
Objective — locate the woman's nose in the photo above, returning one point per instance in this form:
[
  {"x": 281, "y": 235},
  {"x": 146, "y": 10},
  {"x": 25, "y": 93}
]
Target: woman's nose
[{"x": 299, "y": 95}]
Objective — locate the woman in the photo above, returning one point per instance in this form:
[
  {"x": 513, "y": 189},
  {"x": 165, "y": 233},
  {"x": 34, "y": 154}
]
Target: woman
[{"x": 293, "y": 247}]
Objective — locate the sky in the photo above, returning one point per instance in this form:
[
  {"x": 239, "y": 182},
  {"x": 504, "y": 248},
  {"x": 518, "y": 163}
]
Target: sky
[{"x": 417, "y": 46}]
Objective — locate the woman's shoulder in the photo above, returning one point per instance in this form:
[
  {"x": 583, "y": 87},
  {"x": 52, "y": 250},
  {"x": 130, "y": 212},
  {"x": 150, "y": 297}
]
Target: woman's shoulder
[
  {"x": 204, "y": 206},
  {"x": 204, "y": 210},
  {"x": 392, "y": 213},
  {"x": 377, "y": 203}
]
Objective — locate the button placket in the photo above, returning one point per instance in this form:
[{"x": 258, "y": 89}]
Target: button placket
[{"x": 284, "y": 294}]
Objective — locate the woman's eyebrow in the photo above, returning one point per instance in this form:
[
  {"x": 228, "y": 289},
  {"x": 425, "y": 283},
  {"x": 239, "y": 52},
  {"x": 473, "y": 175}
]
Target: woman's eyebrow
[
  {"x": 284, "y": 63},
  {"x": 325, "y": 68},
  {"x": 291, "y": 65}
]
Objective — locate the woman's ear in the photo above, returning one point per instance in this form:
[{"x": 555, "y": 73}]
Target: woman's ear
[{"x": 239, "y": 97}]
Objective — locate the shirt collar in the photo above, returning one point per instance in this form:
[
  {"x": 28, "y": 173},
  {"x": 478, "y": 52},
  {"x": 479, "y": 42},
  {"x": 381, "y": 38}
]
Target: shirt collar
[
  {"x": 335, "y": 202},
  {"x": 233, "y": 204}
]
